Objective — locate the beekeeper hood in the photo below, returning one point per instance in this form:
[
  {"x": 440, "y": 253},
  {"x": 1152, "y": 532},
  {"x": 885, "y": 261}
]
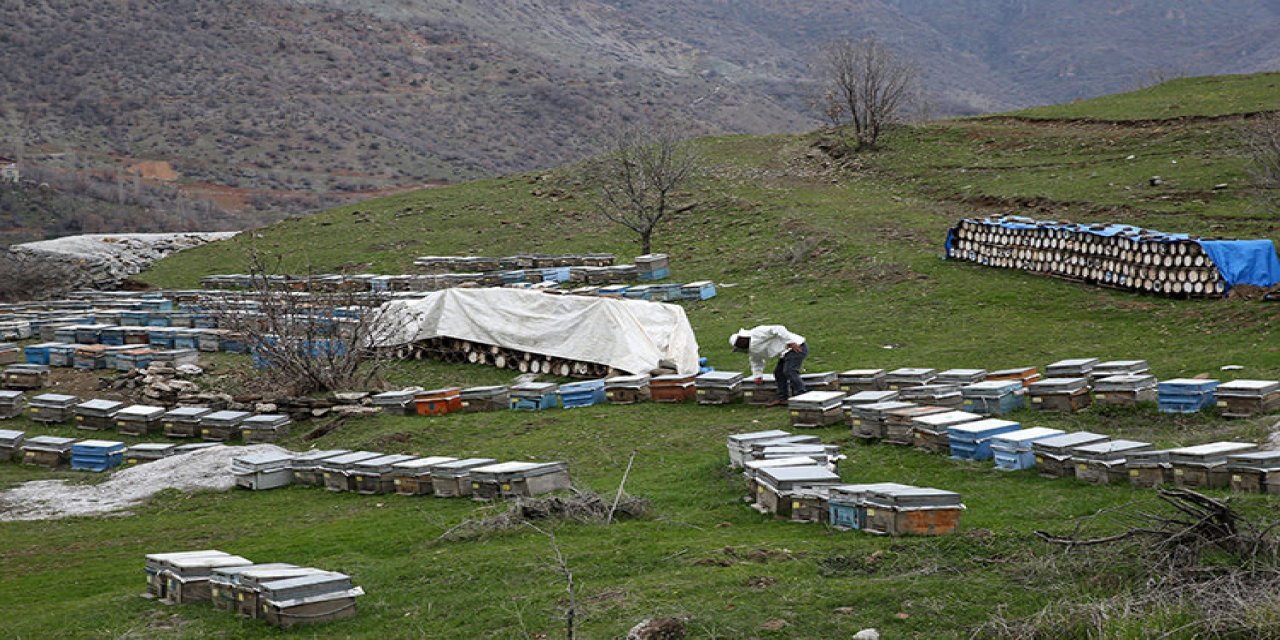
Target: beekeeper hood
[{"x": 739, "y": 335}]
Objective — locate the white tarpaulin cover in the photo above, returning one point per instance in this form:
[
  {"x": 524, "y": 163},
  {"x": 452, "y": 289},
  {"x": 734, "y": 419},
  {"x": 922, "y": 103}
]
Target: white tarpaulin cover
[{"x": 628, "y": 335}]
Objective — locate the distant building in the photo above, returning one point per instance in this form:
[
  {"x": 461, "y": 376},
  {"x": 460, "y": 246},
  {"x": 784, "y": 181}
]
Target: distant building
[{"x": 8, "y": 170}]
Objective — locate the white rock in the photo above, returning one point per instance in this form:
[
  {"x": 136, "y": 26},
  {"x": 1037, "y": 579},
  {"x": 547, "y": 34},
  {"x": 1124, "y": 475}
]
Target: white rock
[
  {"x": 867, "y": 634},
  {"x": 189, "y": 370}
]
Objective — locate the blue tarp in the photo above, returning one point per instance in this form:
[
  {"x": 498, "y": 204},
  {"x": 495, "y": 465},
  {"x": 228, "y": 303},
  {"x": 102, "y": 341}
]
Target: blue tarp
[{"x": 1238, "y": 261}]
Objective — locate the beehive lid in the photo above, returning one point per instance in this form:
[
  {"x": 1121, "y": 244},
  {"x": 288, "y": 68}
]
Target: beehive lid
[
  {"x": 189, "y": 412},
  {"x": 1250, "y": 388},
  {"x": 872, "y": 397},
  {"x": 1058, "y": 385},
  {"x": 626, "y": 381},
  {"x": 1125, "y": 382},
  {"x": 1132, "y": 366},
  {"x": 449, "y": 391},
  {"x": 1075, "y": 363},
  {"x": 228, "y": 575},
  {"x": 1016, "y": 372},
  {"x": 9, "y": 396},
  {"x": 206, "y": 562},
  {"x": 789, "y": 450},
  {"x": 10, "y": 434},
  {"x": 822, "y": 399},
  {"x": 421, "y": 463},
  {"x": 1069, "y": 441},
  {"x": 719, "y": 378},
  {"x": 946, "y": 419},
  {"x": 1210, "y": 452},
  {"x": 861, "y": 374},
  {"x": 318, "y": 455},
  {"x": 791, "y": 461},
  {"x": 157, "y": 559},
  {"x": 48, "y": 442},
  {"x": 515, "y": 468},
  {"x": 110, "y": 445},
  {"x": 258, "y": 574},
  {"x": 266, "y": 420},
  {"x": 674, "y": 377},
  {"x": 1255, "y": 459},
  {"x": 141, "y": 412},
  {"x": 462, "y": 465},
  {"x": 99, "y": 405},
  {"x": 784, "y": 440},
  {"x": 912, "y": 373},
  {"x": 1111, "y": 449},
  {"x": 381, "y": 462},
  {"x": 919, "y": 411},
  {"x": 196, "y": 446},
  {"x": 698, "y": 284},
  {"x": 153, "y": 447},
  {"x": 744, "y": 438},
  {"x": 263, "y": 459},
  {"x": 579, "y": 387},
  {"x": 351, "y": 458},
  {"x": 931, "y": 391},
  {"x": 534, "y": 387},
  {"x": 796, "y": 475},
  {"x": 966, "y": 376},
  {"x": 484, "y": 392},
  {"x": 54, "y": 400},
  {"x": 310, "y": 584},
  {"x": 1187, "y": 385},
  {"x": 226, "y": 416},
  {"x": 881, "y": 408},
  {"x": 1028, "y": 435},
  {"x": 820, "y": 377},
  {"x": 915, "y": 497},
  {"x": 984, "y": 426},
  {"x": 991, "y": 388},
  {"x": 856, "y": 492},
  {"x": 399, "y": 396}
]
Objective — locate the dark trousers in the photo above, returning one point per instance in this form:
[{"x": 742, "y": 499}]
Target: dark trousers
[{"x": 787, "y": 373}]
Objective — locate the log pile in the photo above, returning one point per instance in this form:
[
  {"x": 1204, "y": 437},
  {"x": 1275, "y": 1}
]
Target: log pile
[
  {"x": 1134, "y": 259},
  {"x": 463, "y": 351}
]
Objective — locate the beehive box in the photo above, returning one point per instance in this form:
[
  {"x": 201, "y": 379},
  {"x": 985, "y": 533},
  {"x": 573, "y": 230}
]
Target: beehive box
[
  {"x": 752, "y": 468},
  {"x": 700, "y": 290},
  {"x": 1125, "y": 390},
  {"x": 909, "y": 377},
  {"x": 223, "y": 582},
  {"x": 1247, "y": 398},
  {"x": 263, "y": 471},
  {"x": 1149, "y": 468},
  {"x": 187, "y": 578},
  {"x": 248, "y": 585},
  {"x": 820, "y": 453},
  {"x": 846, "y": 503},
  {"x": 96, "y": 455},
  {"x": 533, "y": 396},
  {"x": 377, "y": 475},
  {"x": 156, "y": 564},
  {"x": 308, "y": 600},
  {"x": 1186, "y": 395},
  {"x": 26, "y": 377},
  {"x": 1205, "y": 465},
  {"x": 50, "y": 452},
  {"x": 810, "y": 505},
  {"x": 221, "y": 426},
  {"x": 816, "y": 409},
  {"x": 1053, "y": 455},
  {"x": 90, "y": 357},
  {"x": 719, "y": 387},
  {"x": 10, "y": 444},
  {"x": 184, "y": 422},
  {"x": 821, "y": 381},
  {"x": 413, "y": 477},
  {"x": 935, "y": 395},
  {"x": 1065, "y": 395},
  {"x": 518, "y": 479},
  {"x": 1023, "y": 375},
  {"x": 1119, "y": 368},
  {"x": 972, "y": 440},
  {"x": 336, "y": 470},
  {"x": 1249, "y": 471},
  {"x": 920, "y": 511},
  {"x": 868, "y": 420},
  {"x": 739, "y": 444},
  {"x": 993, "y": 397},
  {"x": 673, "y": 388},
  {"x": 139, "y": 419},
  {"x": 652, "y": 266},
  {"x": 453, "y": 479},
  {"x": 760, "y": 393},
  {"x": 1073, "y": 368},
  {"x": 1012, "y": 451},
  {"x": 9, "y": 352},
  {"x": 491, "y": 398},
  {"x": 12, "y": 403},
  {"x": 97, "y": 415},
  {"x": 870, "y": 397},
  {"x": 930, "y": 433},
  {"x": 777, "y": 485},
  {"x": 148, "y": 451},
  {"x": 269, "y": 427},
  {"x": 627, "y": 389},
  {"x": 398, "y": 402},
  {"x": 62, "y": 354},
  {"x": 899, "y": 424},
  {"x": 856, "y": 380},
  {"x": 438, "y": 402},
  {"x": 1106, "y": 462},
  {"x": 581, "y": 394},
  {"x": 307, "y": 469},
  {"x": 961, "y": 377},
  {"x": 38, "y": 353}
]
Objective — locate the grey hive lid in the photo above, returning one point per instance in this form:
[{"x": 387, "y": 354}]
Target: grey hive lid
[
  {"x": 815, "y": 473},
  {"x": 991, "y": 388},
  {"x": 882, "y": 407},
  {"x": 260, "y": 574},
  {"x": 1125, "y": 365},
  {"x": 143, "y": 411},
  {"x": 228, "y": 574},
  {"x": 742, "y": 438},
  {"x": 188, "y": 412},
  {"x": 257, "y": 459},
  {"x": 516, "y": 468},
  {"x": 207, "y": 562},
  {"x": 319, "y": 454},
  {"x": 1111, "y": 450},
  {"x": 962, "y": 373},
  {"x": 819, "y": 376},
  {"x": 1255, "y": 459},
  {"x": 399, "y": 395},
  {"x": 174, "y": 555},
  {"x": 535, "y": 387},
  {"x": 1069, "y": 441},
  {"x": 872, "y": 397},
  {"x": 912, "y": 373},
  {"x": 1030, "y": 434},
  {"x": 10, "y": 434},
  {"x": 857, "y": 374},
  {"x": 790, "y": 461},
  {"x": 421, "y": 463},
  {"x": 307, "y": 584},
  {"x": 1210, "y": 452},
  {"x": 463, "y": 465},
  {"x": 266, "y": 420},
  {"x": 821, "y": 398},
  {"x": 721, "y": 377},
  {"x": 381, "y": 462},
  {"x": 945, "y": 419},
  {"x": 99, "y": 405},
  {"x": 226, "y": 416},
  {"x": 49, "y": 441},
  {"x": 784, "y": 440},
  {"x": 1074, "y": 363},
  {"x": 859, "y": 491},
  {"x": 1058, "y": 385},
  {"x": 1125, "y": 382},
  {"x": 673, "y": 377},
  {"x": 931, "y": 391},
  {"x": 352, "y": 458},
  {"x": 6, "y": 394},
  {"x": 983, "y": 426},
  {"x": 626, "y": 381},
  {"x": 915, "y": 497},
  {"x": 484, "y": 392},
  {"x": 99, "y": 444},
  {"x": 154, "y": 447},
  {"x": 1248, "y": 387}
]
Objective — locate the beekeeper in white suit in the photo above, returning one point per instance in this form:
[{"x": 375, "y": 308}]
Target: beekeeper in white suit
[{"x": 774, "y": 341}]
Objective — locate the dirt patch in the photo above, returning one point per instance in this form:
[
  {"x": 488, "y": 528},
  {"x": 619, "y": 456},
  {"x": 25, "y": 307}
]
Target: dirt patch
[
  {"x": 760, "y": 582},
  {"x": 874, "y": 273},
  {"x": 154, "y": 170}
]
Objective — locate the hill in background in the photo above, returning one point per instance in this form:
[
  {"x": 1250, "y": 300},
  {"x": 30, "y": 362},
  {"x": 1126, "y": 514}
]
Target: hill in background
[{"x": 262, "y": 105}]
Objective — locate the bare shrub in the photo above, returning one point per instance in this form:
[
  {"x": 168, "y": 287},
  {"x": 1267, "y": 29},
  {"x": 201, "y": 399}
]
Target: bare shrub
[{"x": 863, "y": 85}]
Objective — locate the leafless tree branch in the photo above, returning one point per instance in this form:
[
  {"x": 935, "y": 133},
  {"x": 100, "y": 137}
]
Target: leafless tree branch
[{"x": 865, "y": 86}]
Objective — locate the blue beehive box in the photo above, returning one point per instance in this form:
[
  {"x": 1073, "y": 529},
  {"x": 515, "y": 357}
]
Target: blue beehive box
[
  {"x": 1186, "y": 395},
  {"x": 555, "y": 274},
  {"x": 112, "y": 336},
  {"x": 702, "y": 290},
  {"x": 65, "y": 335},
  {"x": 232, "y": 343},
  {"x": 642, "y": 292},
  {"x": 186, "y": 339},
  {"x": 96, "y": 455},
  {"x": 38, "y": 353},
  {"x": 613, "y": 290},
  {"x": 1013, "y": 450},
  {"x": 665, "y": 292},
  {"x": 61, "y": 354},
  {"x": 161, "y": 338},
  {"x": 582, "y": 394},
  {"x": 133, "y": 318},
  {"x": 972, "y": 440},
  {"x": 533, "y": 396},
  {"x": 992, "y": 397},
  {"x": 88, "y": 333}
]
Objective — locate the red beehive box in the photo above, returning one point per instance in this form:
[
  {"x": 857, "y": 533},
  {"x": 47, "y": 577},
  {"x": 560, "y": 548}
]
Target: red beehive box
[
  {"x": 438, "y": 402},
  {"x": 673, "y": 388}
]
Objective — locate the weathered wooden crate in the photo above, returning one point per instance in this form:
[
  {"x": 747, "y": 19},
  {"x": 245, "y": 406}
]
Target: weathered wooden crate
[
  {"x": 413, "y": 477},
  {"x": 491, "y": 398},
  {"x": 518, "y": 479},
  {"x": 376, "y": 475},
  {"x": 453, "y": 479},
  {"x": 856, "y": 380},
  {"x": 810, "y": 506},
  {"x": 184, "y": 422},
  {"x": 760, "y": 393},
  {"x": 627, "y": 389},
  {"x": 899, "y": 424},
  {"x": 1249, "y": 470},
  {"x": 913, "y": 511},
  {"x": 1054, "y": 455}
]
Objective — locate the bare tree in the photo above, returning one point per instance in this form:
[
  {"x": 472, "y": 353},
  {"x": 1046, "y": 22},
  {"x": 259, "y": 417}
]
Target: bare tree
[
  {"x": 863, "y": 85},
  {"x": 639, "y": 177},
  {"x": 1262, "y": 143},
  {"x": 305, "y": 339}
]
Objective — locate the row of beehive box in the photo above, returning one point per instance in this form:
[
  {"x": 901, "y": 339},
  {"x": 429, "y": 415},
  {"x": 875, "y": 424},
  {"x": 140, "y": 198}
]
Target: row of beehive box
[
  {"x": 139, "y": 420},
  {"x": 84, "y": 455},
  {"x": 280, "y": 593},
  {"x": 370, "y": 472},
  {"x": 795, "y": 477},
  {"x": 191, "y": 339},
  {"x": 92, "y": 358}
]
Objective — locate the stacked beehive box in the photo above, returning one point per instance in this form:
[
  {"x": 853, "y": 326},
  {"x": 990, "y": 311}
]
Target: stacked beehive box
[
  {"x": 627, "y": 389},
  {"x": 1067, "y": 395},
  {"x": 816, "y": 408},
  {"x": 1106, "y": 462},
  {"x": 719, "y": 387},
  {"x": 1245, "y": 398},
  {"x": 1116, "y": 256},
  {"x": 1186, "y": 395},
  {"x": 1053, "y": 455},
  {"x": 1013, "y": 450},
  {"x": 1125, "y": 390},
  {"x": 12, "y": 403}
]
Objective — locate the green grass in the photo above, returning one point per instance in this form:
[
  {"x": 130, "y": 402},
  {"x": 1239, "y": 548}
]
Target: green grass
[
  {"x": 1210, "y": 96},
  {"x": 868, "y": 288}
]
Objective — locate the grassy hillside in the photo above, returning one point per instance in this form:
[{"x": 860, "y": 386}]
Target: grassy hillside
[
  {"x": 849, "y": 257},
  {"x": 1182, "y": 98}
]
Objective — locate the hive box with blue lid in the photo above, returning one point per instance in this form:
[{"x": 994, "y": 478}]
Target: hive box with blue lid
[
  {"x": 1205, "y": 465},
  {"x": 96, "y": 455},
  {"x": 1053, "y": 455},
  {"x": 972, "y": 440},
  {"x": 533, "y": 396},
  {"x": 1186, "y": 395},
  {"x": 847, "y": 506},
  {"x": 1013, "y": 450},
  {"x": 931, "y": 432},
  {"x": 1106, "y": 462},
  {"x": 993, "y": 397},
  {"x": 581, "y": 394},
  {"x": 1254, "y": 472}
]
